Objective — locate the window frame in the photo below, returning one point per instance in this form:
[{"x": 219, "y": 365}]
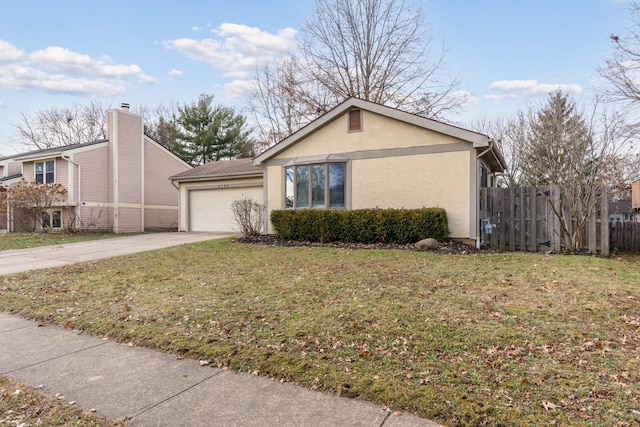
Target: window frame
[
  {"x": 51, "y": 218},
  {"x": 291, "y": 184},
  {"x": 45, "y": 173}
]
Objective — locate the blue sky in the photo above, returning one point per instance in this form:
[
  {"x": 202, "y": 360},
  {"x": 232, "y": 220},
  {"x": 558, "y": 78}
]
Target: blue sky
[{"x": 507, "y": 52}]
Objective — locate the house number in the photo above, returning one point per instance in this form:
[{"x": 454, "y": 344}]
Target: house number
[{"x": 223, "y": 185}]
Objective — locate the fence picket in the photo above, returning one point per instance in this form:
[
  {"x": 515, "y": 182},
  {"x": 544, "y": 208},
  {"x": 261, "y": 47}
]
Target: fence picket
[{"x": 523, "y": 219}]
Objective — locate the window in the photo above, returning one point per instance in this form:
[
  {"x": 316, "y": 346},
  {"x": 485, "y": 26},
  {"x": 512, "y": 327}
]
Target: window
[
  {"x": 315, "y": 186},
  {"x": 52, "y": 219},
  {"x": 45, "y": 172},
  {"x": 483, "y": 176},
  {"x": 355, "y": 120}
]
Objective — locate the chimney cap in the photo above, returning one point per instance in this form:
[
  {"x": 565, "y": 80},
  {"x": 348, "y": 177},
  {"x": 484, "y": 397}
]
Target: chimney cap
[{"x": 124, "y": 105}]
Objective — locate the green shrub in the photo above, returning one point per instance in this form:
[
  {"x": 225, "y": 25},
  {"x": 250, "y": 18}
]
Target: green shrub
[{"x": 401, "y": 226}]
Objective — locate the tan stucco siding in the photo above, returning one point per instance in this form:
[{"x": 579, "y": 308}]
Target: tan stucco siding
[
  {"x": 430, "y": 180},
  {"x": 185, "y": 187},
  {"x": 274, "y": 189},
  {"x": 378, "y": 133}
]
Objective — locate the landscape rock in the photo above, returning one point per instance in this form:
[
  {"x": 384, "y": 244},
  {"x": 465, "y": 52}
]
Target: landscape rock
[{"x": 428, "y": 244}]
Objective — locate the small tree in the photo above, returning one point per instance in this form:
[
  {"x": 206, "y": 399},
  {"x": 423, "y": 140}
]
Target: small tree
[
  {"x": 564, "y": 146},
  {"x": 28, "y": 200},
  {"x": 247, "y": 213}
]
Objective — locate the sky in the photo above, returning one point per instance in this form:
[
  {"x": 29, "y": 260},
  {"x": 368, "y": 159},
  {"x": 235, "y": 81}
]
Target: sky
[{"x": 508, "y": 54}]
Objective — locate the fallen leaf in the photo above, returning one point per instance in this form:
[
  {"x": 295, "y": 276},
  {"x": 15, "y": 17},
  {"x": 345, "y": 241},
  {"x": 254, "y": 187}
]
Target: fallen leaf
[{"x": 549, "y": 405}]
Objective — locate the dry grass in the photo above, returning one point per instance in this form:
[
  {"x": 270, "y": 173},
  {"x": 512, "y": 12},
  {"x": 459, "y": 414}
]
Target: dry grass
[
  {"x": 500, "y": 339},
  {"x": 32, "y": 240},
  {"x": 26, "y": 406}
]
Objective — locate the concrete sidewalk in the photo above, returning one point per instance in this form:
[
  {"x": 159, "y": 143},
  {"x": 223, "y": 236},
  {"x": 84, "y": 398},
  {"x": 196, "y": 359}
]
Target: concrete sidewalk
[
  {"x": 154, "y": 389},
  {"x": 19, "y": 260}
]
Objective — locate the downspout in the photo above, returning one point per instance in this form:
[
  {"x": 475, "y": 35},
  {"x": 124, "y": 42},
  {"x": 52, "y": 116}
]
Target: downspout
[
  {"x": 77, "y": 219},
  {"x": 487, "y": 150}
]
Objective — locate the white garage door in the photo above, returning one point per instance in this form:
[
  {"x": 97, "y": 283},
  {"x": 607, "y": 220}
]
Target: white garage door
[{"x": 210, "y": 210}]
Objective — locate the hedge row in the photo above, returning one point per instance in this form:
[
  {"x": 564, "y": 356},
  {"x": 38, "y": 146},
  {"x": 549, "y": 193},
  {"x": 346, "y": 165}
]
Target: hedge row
[{"x": 400, "y": 226}]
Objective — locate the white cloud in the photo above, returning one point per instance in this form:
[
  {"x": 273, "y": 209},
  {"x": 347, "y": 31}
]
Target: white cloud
[
  {"x": 239, "y": 89},
  {"x": 10, "y": 53},
  {"x": 465, "y": 96},
  {"x": 63, "y": 60},
  {"x": 518, "y": 88},
  {"x": 238, "y": 49},
  {"x": 175, "y": 72},
  {"x": 59, "y": 70}
]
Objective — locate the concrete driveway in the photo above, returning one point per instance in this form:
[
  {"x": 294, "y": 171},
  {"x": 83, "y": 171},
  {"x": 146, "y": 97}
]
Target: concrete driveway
[{"x": 19, "y": 260}]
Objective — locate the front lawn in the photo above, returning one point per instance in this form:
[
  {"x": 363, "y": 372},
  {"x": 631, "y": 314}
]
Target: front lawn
[
  {"x": 494, "y": 339},
  {"x": 32, "y": 240},
  {"x": 25, "y": 406}
]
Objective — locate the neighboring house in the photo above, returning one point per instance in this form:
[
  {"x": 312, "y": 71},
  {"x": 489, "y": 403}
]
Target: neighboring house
[
  {"x": 357, "y": 155},
  {"x": 118, "y": 184},
  {"x": 621, "y": 211}
]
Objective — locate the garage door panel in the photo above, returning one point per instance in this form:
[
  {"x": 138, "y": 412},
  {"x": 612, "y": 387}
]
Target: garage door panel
[{"x": 210, "y": 209}]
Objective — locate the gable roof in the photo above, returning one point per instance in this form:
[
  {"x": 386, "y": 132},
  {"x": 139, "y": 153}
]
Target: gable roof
[
  {"x": 477, "y": 139},
  {"x": 50, "y": 151},
  {"x": 240, "y": 168}
]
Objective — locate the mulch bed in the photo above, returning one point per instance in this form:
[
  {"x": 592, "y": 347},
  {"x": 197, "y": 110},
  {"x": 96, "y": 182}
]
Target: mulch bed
[{"x": 447, "y": 247}]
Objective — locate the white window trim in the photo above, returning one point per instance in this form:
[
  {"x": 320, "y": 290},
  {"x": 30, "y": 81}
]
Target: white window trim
[{"x": 44, "y": 171}]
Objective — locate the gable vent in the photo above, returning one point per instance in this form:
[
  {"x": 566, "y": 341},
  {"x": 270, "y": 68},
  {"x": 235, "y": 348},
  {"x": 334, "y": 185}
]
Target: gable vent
[{"x": 355, "y": 120}]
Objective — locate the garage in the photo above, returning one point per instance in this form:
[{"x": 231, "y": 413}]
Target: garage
[
  {"x": 207, "y": 191},
  {"x": 210, "y": 209}
]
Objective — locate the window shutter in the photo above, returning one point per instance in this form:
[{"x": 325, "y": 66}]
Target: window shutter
[{"x": 355, "y": 120}]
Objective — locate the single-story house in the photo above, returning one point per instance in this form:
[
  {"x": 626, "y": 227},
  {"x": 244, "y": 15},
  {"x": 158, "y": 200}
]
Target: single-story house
[
  {"x": 358, "y": 155},
  {"x": 118, "y": 184}
]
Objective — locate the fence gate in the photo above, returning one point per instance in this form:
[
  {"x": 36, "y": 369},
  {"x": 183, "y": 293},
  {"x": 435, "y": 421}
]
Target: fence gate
[{"x": 522, "y": 219}]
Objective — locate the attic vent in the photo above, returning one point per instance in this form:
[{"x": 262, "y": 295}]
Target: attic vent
[{"x": 355, "y": 120}]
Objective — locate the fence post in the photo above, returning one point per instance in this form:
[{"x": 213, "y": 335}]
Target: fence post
[
  {"x": 533, "y": 219},
  {"x": 604, "y": 224}
]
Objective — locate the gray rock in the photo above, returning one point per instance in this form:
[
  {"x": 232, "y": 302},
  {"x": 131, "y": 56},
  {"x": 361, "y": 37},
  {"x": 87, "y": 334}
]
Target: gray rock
[{"x": 427, "y": 244}]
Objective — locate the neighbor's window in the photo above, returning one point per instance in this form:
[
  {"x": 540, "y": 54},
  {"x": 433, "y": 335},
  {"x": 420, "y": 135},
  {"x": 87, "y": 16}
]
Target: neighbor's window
[
  {"x": 45, "y": 172},
  {"x": 315, "y": 186},
  {"x": 52, "y": 219}
]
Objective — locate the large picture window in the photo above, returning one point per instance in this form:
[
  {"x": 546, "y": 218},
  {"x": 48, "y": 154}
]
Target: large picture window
[
  {"x": 315, "y": 186},
  {"x": 45, "y": 172}
]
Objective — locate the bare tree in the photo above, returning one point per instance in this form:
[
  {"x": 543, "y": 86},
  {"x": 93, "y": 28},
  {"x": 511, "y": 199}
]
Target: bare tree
[
  {"x": 247, "y": 213},
  {"x": 508, "y": 134},
  {"x": 279, "y": 103},
  {"x": 29, "y": 200},
  {"x": 378, "y": 50},
  {"x": 573, "y": 149},
  {"x": 622, "y": 68},
  {"x": 59, "y": 126}
]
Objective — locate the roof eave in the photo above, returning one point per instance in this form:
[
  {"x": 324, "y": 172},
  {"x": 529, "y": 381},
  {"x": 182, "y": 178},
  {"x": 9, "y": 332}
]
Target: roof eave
[{"x": 216, "y": 177}]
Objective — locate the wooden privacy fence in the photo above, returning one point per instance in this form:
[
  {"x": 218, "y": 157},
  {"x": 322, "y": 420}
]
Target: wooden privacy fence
[
  {"x": 522, "y": 219},
  {"x": 625, "y": 236}
]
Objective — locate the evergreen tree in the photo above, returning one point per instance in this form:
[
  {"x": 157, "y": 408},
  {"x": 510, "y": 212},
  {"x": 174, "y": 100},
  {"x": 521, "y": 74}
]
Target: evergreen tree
[{"x": 204, "y": 133}]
